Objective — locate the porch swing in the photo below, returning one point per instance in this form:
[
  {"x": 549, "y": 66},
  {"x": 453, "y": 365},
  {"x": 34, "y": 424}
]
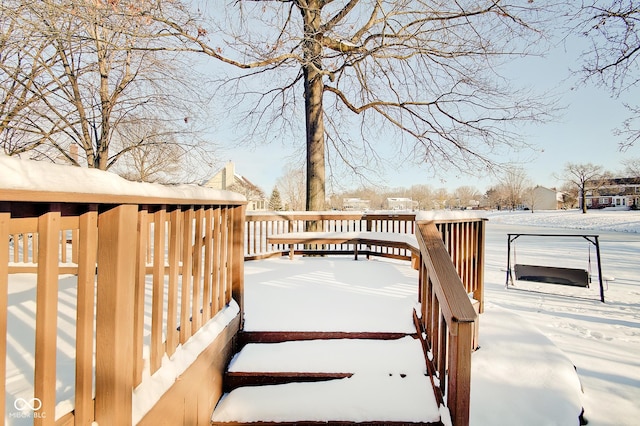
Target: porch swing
[{"x": 576, "y": 277}]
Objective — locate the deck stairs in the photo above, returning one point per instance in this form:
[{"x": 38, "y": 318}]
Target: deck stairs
[{"x": 328, "y": 378}]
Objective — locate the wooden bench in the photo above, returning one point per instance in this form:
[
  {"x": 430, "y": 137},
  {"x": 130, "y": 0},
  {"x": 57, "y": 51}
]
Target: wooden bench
[{"x": 384, "y": 239}]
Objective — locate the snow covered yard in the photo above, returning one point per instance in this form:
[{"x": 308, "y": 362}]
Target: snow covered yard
[{"x": 601, "y": 340}]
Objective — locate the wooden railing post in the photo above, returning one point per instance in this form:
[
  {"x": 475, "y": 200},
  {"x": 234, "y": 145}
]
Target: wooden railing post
[
  {"x": 459, "y": 377},
  {"x": 187, "y": 277},
  {"x": 142, "y": 243},
  {"x": 114, "y": 318},
  {"x": 237, "y": 273},
  {"x": 5, "y": 216},
  {"x": 86, "y": 243},
  {"x": 44, "y": 383},
  {"x": 478, "y": 294},
  {"x": 451, "y": 340},
  {"x": 157, "y": 296}
]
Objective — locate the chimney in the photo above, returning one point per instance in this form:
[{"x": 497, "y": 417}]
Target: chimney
[
  {"x": 229, "y": 172},
  {"x": 73, "y": 152}
]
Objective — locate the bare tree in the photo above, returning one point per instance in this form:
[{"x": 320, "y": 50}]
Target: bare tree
[
  {"x": 496, "y": 196},
  {"x": 148, "y": 157},
  {"x": 24, "y": 59},
  {"x": 579, "y": 175},
  {"x": 515, "y": 183},
  {"x": 423, "y": 194},
  {"x": 80, "y": 72},
  {"x": 613, "y": 58},
  {"x": 291, "y": 186},
  {"x": 423, "y": 73},
  {"x": 632, "y": 167},
  {"x": 569, "y": 195},
  {"x": 466, "y": 195},
  {"x": 441, "y": 197}
]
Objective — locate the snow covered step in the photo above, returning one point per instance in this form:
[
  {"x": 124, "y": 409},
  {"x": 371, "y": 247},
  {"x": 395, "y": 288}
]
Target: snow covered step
[
  {"x": 403, "y": 355},
  {"x": 316, "y": 360},
  {"x": 362, "y": 398},
  {"x": 364, "y": 381}
]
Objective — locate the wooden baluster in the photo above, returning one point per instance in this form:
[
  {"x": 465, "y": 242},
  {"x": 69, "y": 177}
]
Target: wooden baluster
[
  {"x": 230, "y": 256},
  {"x": 216, "y": 294},
  {"x": 157, "y": 293},
  {"x": 47, "y": 315},
  {"x": 85, "y": 243},
  {"x": 142, "y": 241},
  {"x": 208, "y": 254},
  {"x": 187, "y": 278},
  {"x": 196, "y": 316},
  {"x": 175, "y": 229},
  {"x": 5, "y": 216},
  {"x": 237, "y": 273}
]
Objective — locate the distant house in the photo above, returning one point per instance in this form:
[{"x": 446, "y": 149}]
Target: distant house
[
  {"x": 355, "y": 204},
  {"x": 616, "y": 192},
  {"x": 542, "y": 198},
  {"x": 398, "y": 203},
  {"x": 227, "y": 179}
]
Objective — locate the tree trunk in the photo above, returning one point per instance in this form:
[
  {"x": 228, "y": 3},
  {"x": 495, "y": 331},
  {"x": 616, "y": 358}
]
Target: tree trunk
[{"x": 313, "y": 90}]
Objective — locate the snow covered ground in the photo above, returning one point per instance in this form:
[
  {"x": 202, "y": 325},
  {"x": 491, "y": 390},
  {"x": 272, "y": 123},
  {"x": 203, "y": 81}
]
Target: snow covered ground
[{"x": 602, "y": 340}]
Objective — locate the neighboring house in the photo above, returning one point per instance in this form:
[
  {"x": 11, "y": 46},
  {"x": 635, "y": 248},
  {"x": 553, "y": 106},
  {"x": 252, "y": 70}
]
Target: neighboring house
[
  {"x": 542, "y": 198},
  {"x": 396, "y": 203},
  {"x": 617, "y": 192},
  {"x": 227, "y": 179},
  {"x": 355, "y": 204}
]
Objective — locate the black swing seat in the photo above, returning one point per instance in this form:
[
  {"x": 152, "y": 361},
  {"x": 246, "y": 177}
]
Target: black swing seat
[{"x": 553, "y": 275}]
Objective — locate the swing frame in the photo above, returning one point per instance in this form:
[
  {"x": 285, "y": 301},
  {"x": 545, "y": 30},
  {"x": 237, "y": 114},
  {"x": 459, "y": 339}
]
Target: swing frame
[{"x": 592, "y": 239}]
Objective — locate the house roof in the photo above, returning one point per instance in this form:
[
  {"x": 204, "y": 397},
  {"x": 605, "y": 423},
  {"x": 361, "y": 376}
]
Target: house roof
[{"x": 619, "y": 181}]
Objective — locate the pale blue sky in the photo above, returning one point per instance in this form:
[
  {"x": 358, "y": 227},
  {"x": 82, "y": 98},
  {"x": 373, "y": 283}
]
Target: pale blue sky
[{"x": 582, "y": 134}]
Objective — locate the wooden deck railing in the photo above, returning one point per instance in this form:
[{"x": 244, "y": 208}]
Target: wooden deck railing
[
  {"x": 450, "y": 272},
  {"x": 176, "y": 261},
  {"x": 448, "y": 318}
]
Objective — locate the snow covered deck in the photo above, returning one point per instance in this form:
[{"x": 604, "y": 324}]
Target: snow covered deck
[
  {"x": 333, "y": 294},
  {"x": 516, "y": 366}
]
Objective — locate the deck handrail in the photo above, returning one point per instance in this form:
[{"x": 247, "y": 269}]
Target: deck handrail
[
  {"x": 448, "y": 318},
  {"x": 187, "y": 251}
]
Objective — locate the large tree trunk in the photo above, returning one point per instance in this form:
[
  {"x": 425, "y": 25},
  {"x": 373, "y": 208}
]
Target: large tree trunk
[{"x": 313, "y": 90}]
